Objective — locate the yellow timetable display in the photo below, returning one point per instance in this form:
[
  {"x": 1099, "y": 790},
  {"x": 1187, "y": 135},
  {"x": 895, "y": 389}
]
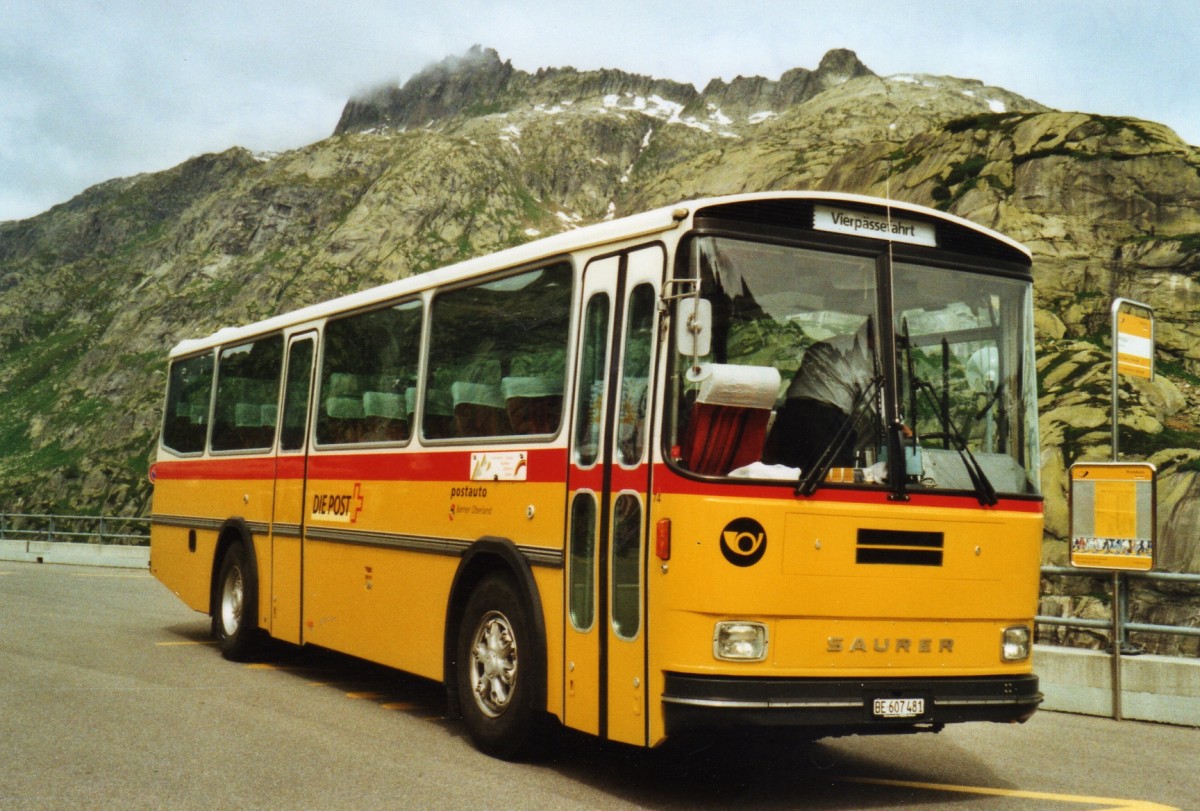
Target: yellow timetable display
[
  {"x": 1112, "y": 515},
  {"x": 1135, "y": 346}
]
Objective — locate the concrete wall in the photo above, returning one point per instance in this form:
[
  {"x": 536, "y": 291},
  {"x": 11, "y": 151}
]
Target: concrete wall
[
  {"x": 80, "y": 554},
  {"x": 1153, "y": 688}
]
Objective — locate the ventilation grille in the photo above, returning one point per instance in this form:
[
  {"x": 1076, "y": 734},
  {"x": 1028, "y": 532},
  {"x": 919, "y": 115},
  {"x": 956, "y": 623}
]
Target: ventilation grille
[
  {"x": 894, "y": 547},
  {"x": 773, "y": 213},
  {"x": 954, "y": 237}
]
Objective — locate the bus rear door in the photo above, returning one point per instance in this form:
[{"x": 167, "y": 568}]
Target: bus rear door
[{"x": 287, "y": 528}]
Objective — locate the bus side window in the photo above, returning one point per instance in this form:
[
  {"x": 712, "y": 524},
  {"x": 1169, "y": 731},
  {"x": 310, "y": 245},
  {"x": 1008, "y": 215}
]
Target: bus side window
[
  {"x": 185, "y": 423},
  {"x": 368, "y": 375},
  {"x": 626, "y": 566},
  {"x": 582, "y": 589},
  {"x": 590, "y": 398},
  {"x": 497, "y": 356},
  {"x": 631, "y": 419},
  {"x": 247, "y": 402},
  {"x": 295, "y": 396}
]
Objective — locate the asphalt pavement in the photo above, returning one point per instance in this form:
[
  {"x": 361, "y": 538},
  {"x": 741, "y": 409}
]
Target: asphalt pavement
[{"x": 111, "y": 696}]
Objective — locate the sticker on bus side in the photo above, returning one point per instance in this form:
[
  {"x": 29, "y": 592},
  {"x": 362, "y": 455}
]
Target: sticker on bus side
[
  {"x": 499, "y": 466},
  {"x": 342, "y": 507}
]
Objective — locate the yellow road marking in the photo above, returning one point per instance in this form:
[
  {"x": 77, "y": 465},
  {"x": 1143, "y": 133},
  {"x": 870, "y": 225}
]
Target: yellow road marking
[
  {"x": 422, "y": 711},
  {"x": 187, "y": 642},
  {"x": 1105, "y": 803}
]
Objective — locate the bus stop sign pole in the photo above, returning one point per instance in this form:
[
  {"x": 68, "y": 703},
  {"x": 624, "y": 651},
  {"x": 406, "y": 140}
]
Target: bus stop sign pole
[{"x": 1132, "y": 354}]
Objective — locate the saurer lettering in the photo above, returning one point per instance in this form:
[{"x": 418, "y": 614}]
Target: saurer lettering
[{"x": 837, "y": 644}]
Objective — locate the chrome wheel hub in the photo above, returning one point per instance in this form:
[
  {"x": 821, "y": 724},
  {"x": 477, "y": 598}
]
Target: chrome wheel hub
[
  {"x": 493, "y": 664},
  {"x": 232, "y": 593}
]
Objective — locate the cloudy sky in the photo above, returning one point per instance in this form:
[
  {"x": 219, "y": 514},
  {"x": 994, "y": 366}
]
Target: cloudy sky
[{"x": 96, "y": 89}]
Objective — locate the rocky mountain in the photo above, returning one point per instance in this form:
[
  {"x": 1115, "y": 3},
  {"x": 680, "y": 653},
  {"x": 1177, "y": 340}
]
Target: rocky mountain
[{"x": 472, "y": 155}]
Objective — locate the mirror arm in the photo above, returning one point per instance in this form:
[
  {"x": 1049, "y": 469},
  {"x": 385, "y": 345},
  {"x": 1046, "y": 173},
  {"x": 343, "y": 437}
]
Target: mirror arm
[
  {"x": 695, "y": 328},
  {"x": 693, "y": 290}
]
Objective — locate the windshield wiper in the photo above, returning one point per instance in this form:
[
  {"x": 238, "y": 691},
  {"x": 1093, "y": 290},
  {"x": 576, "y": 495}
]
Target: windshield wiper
[
  {"x": 991, "y": 402},
  {"x": 809, "y": 481},
  {"x": 984, "y": 490}
]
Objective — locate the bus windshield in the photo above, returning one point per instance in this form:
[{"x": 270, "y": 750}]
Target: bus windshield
[{"x": 804, "y": 359}]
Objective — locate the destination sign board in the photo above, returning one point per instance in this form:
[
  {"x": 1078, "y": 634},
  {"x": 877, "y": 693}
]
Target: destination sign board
[{"x": 873, "y": 226}]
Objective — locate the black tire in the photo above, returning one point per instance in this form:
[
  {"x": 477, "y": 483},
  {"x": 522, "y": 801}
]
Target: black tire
[
  {"x": 497, "y": 670},
  {"x": 235, "y": 602}
]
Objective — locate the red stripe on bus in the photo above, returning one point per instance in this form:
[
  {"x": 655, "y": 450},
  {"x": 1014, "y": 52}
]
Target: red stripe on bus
[
  {"x": 542, "y": 465},
  {"x": 260, "y": 467},
  {"x": 667, "y": 482},
  {"x": 545, "y": 466}
]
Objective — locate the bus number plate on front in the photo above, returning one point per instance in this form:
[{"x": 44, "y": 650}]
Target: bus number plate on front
[{"x": 899, "y": 707}]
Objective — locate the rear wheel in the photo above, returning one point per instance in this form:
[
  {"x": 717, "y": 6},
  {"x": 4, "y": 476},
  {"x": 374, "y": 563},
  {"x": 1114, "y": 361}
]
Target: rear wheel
[
  {"x": 234, "y": 625},
  {"x": 496, "y": 670}
]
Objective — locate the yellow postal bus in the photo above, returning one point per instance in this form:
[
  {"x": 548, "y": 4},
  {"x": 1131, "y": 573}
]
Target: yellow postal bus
[{"x": 768, "y": 459}]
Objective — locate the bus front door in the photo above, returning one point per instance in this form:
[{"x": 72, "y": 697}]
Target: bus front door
[
  {"x": 608, "y": 482},
  {"x": 287, "y": 526}
]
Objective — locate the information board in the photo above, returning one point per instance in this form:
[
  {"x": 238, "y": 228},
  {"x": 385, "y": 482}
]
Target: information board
[{"x": 1113, "y": 515}]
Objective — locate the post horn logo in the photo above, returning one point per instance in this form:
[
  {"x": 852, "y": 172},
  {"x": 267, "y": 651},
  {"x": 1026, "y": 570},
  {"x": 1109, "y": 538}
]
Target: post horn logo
[{"x": 743, "y": 542}]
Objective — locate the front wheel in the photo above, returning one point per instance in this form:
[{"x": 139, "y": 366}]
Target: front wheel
[
  {"x": 496, "y": 670},
  {"x": 233, "y": 617}
]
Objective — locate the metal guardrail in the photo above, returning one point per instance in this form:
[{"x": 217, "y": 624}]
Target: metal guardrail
[
  {"x": 1119, "y": 625},
  {"x": 99, "y": 529},
  {"x": 1125, "y": 624}
]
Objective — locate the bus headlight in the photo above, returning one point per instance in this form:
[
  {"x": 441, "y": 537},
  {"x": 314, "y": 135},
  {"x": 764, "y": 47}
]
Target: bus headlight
[
  {"x": 1014, "y": 646},
  {"x": 740, "y": 641}
]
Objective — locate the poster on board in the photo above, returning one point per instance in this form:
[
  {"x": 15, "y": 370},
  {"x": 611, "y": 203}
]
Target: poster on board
[{"x": 1113, "y": 515}]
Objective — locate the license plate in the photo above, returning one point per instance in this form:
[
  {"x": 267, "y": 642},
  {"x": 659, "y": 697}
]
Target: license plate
[{"x": 899, "y": 707}]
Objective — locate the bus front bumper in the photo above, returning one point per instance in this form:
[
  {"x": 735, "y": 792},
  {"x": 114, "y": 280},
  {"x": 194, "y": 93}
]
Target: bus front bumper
[{"x": 845, "y": 706}]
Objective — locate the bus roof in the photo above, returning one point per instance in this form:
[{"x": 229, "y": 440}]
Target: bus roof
[{"x": 638, "y": 225}]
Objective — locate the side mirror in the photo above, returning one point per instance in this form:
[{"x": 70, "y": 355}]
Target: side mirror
[{"x": 693, "y": 328}]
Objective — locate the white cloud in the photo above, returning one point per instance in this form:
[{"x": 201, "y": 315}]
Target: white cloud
[{"x": 97, "y": 90}]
